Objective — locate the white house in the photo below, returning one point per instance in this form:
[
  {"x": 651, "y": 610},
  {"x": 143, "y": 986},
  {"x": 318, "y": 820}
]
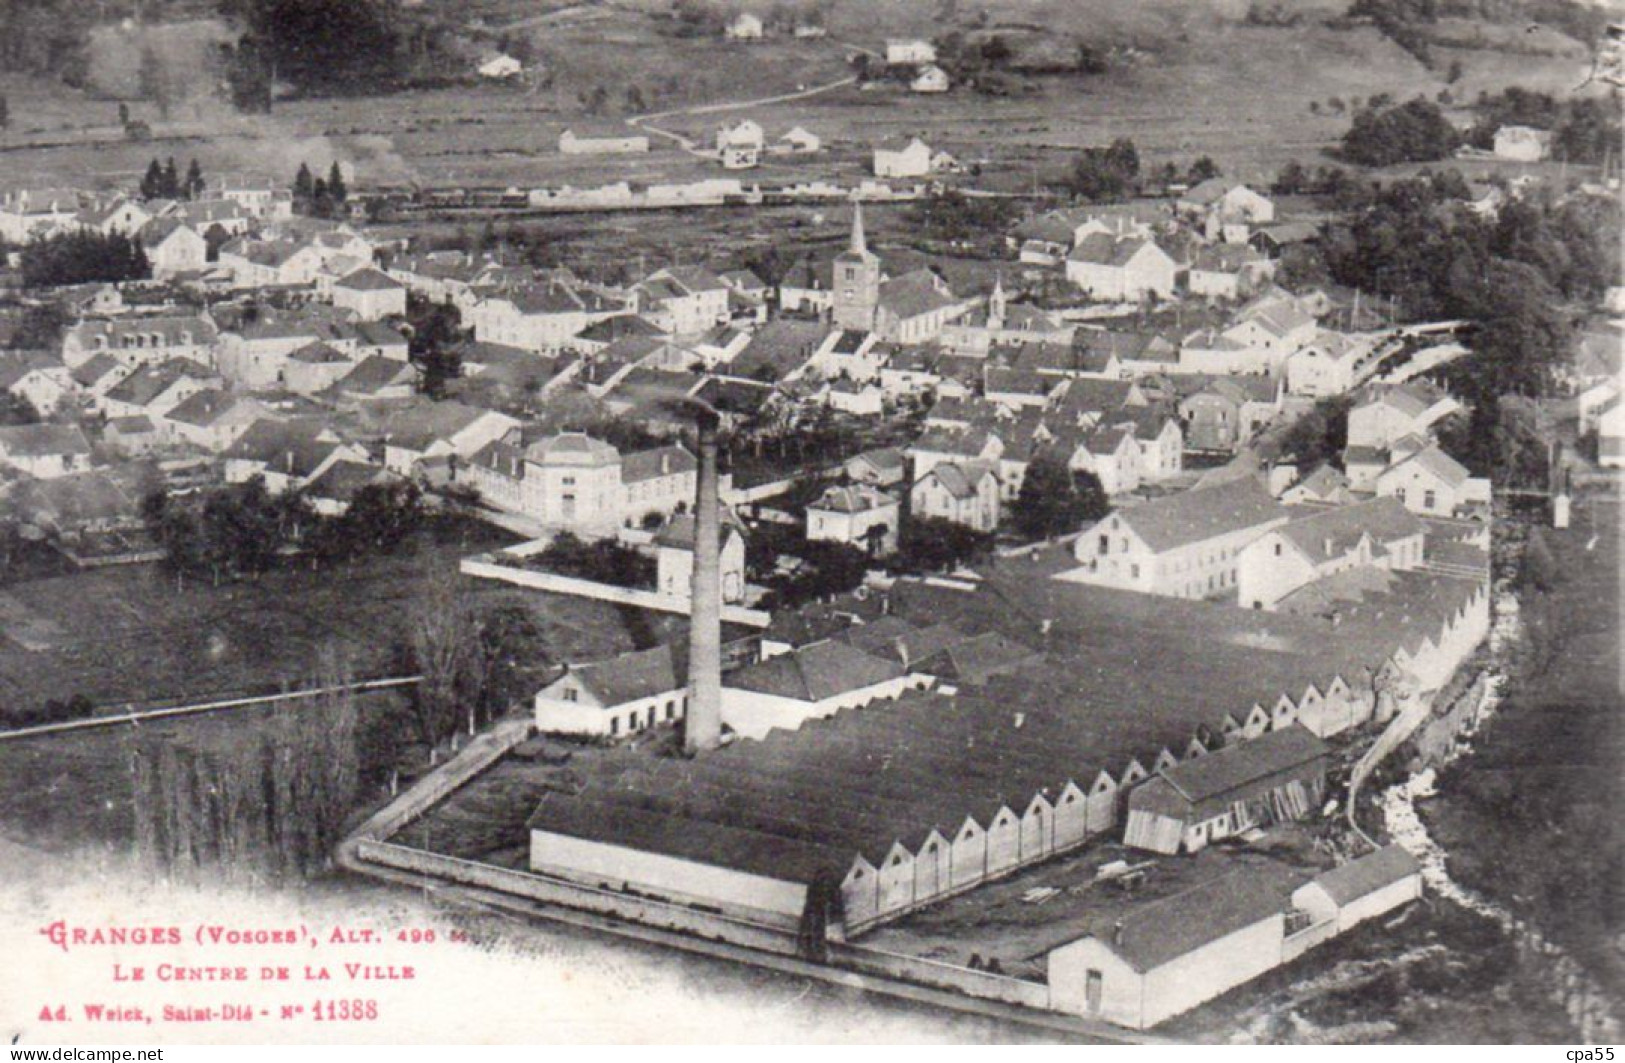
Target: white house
[
  {"x": 1610, "y": 423},
  {"x": 173, "y": 247},
  {"x": 900, "y": 157},
  {"x": 962, "y": 492},
  {"x": 858, "y": 515},
  {"x": 683, "y": 300},
  {"x": 371, "y": 293},
  {"x": 1329, "y": 364},
  {"x": 930, "y": 79},
  {"x": 910, "y": 51},
  {"x": 29, "y": 212},
  {"x": 1361, "y": 889},
  {"x": 615, "y": 697},
  {"x": 674, "y": 558},
  {"x": 799, "y": 141},
  {"x": 44, "y": 450},
  {"x": 1522, "y": 143},
  {"x": 37, "y": 378},
  {"x": 744, "y": 27},
  {"x": 499, "y": 66},
  {"x": 440, "y": 430},
  {"x": 1121, "y": 269},
  {"x": 1393, "y": 412},
  {"x": 1432, "y": 483},
  {"x": 213, "y": 420}
]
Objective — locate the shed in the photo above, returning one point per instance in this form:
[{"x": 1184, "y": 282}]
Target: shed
[
  {"x": 1277, "y": 776},
  {"x": 1361, "y": 889}
]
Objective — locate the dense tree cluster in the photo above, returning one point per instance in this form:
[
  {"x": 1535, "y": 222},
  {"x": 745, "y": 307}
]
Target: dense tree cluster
[
  {"x": 1584, "y": 128},
  {"x": 1107, "y": 173},
  {"x": 602, "y": 561},
  {"x": 322, "y": 197},
  {"x": 1510, "y": 275},
  {"x": 931, "y": 544},
  {"x": 83, "y": 256},
  {"x": 1319, "y": 435},
  {"x": 1416, "y": 131},
  {"x": 325, "y": 45},
  {"x": 952, "y": 215},
  {"x": 244, "y": 529},
  {"x": 1054, "y": 501}
]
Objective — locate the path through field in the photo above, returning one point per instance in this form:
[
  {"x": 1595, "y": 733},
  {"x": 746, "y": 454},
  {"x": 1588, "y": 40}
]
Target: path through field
[{"x": 642, "y": 121}]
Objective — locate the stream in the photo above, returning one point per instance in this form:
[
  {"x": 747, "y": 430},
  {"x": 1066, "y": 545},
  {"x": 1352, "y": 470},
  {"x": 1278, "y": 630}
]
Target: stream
[{"x": 1572, "y": 987}]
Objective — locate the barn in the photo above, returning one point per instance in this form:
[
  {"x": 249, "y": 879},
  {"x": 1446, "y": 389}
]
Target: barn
[
  {"x": 1164, "y": 958},
  {"x": 1278, "y": 776}
]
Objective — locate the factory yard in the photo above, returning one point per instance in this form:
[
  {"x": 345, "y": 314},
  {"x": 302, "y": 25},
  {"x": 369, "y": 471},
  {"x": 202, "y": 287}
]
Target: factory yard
[{"x": 1012, "y": 924}]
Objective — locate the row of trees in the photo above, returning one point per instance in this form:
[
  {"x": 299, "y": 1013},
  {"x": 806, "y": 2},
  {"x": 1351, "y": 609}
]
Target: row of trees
[
  {"x": 1584, "y": 129},
  {"x": 83, "y": 256},
  {"x": 266, "y": 805},
  {"x": 322, "y": 197},
  {"x": 163, "y": 181}
]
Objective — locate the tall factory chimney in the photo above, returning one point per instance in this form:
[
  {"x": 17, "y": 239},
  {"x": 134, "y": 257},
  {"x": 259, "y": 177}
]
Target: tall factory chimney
[{"x": 703, "y": 727}]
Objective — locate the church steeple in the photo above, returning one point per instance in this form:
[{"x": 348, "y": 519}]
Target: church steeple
[
  {"x": 996, "y": 304},
  {"x": 858, "y": 246},
  {"x": 857, "y": 279}
]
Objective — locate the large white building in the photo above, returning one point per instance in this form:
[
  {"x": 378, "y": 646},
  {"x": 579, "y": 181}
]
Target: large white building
[
  {"x": 573, "y": 482},
  {"x": 1184, "y": 545}
]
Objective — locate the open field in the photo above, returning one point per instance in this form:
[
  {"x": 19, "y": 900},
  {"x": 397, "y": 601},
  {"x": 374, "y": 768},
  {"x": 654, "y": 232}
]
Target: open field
[
  {"x": 1189, "y": 80},
  {"x": 127, "y": 635}
]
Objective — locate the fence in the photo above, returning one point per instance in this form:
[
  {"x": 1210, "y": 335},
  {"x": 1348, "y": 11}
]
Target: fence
[
  {"x": 984, "y": 984},
  {"x": 481, "y": 752},
  {"x": 604, "y": 592},
  {"x": 631, "y": 907}
]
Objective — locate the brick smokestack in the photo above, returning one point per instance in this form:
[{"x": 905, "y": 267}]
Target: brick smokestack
[{"x": 703, "y": 727}]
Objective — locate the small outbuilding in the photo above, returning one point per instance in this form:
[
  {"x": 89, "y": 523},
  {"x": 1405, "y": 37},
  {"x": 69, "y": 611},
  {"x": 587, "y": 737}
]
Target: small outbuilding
[
  {"x": 1361, "y": 889},
  {"x": 1278, "y": 776}
]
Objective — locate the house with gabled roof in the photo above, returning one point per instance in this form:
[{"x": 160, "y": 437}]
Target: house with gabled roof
[
  {"x": 287, "y": 454},
  {"x": 1432, "y": 483},
  {"x": 683, "y": 300},
  {"x": 1167, "y": 956},
  {"x": 1318, "y": 542},
  {"x": 1389, "y": 412},
  {"x": 1326, "y": 485},
  {"x": 1121, "y": 268},
  {"x": 809, "y": 683},
  {"x": 211, "y": 419},
  {"x": 38, "y": 378},
  {"x": 439, "y": 430},
  {"x": 902, "y": 157},
  {"x": 154, "y": 390},
  {"x": 1276, "y": 777},
  {"x": 1182, "y": 545},
  {"x": 963, "y": 492},
  {"x": 370, "y": 293},
  {"x": 44, "y": 450},
  {"x": 172, "y": 247},
  {"x": 616, "y": 697}
]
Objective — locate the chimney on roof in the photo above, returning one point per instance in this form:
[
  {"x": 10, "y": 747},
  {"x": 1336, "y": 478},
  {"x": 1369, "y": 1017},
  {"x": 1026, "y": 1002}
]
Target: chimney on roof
[{"x": 1117, "y": 932}]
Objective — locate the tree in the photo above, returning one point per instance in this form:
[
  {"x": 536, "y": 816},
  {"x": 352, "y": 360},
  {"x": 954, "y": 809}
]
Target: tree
[
  {"x": 931, "y": 544},
  {"x": 5, "y": 112},
  {"x": 123, "y": 113},
  {"x": 195, "y": 185},
  {"x": 1203, "y": 169},
  {"x": 336, "y": 191},
  {"x": 1089, "y": 60},
  {"x": 443, "y": 636},
  {"x": 304, "y": 187},
  {"x": 1319, "y": 435},
  {"x": 1106, "y": 173},
  {"x": 1293, "y": 179},
  {"x": 172, "y": 180},
  {"x": 81, "y": 257},
  {"x": 1416, "y": 131},
  {"x": 432, "y": 342},
  {"x": 152, "y": 183},
  {"x": 1049, "y": 502}
]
